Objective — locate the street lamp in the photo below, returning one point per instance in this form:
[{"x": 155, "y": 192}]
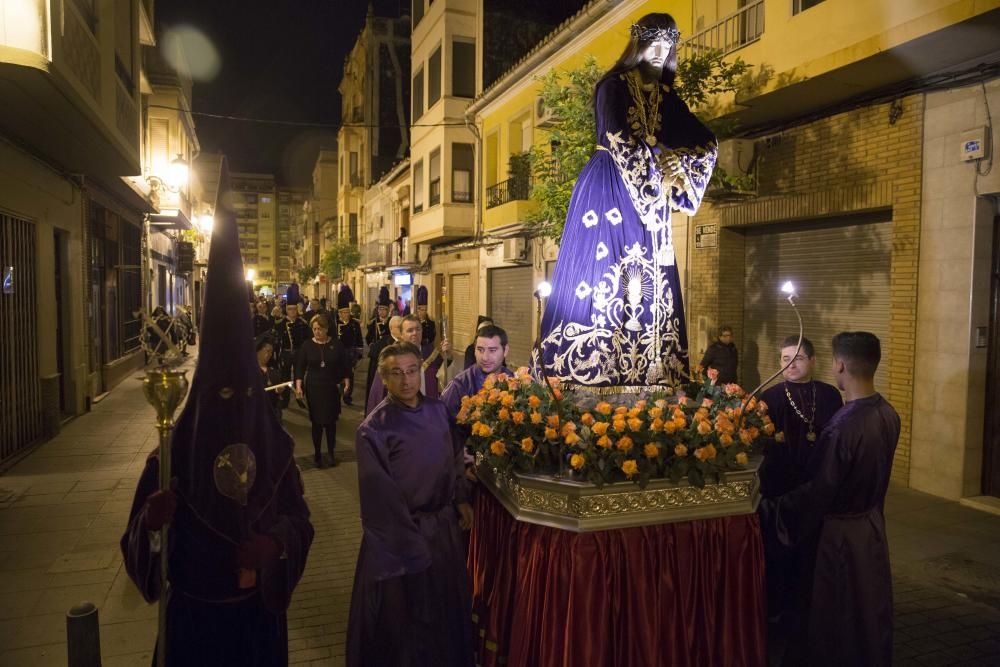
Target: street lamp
[
  {"x": 207, "y": 223},
  {"x": 175, "y": 177},
  {"x": 543, "y": 291}
]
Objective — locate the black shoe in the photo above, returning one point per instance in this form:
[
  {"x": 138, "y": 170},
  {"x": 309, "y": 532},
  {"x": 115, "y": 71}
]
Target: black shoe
[
  {"x": 333, "y": 461},
  {"x": 348, "y": 401},
  {"x": 318, "y": 460}
]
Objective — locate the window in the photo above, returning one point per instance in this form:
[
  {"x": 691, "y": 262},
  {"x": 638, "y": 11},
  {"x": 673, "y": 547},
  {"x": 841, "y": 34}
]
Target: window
[
  {"x": 418, "y": 11},
  {"x": 802, "y": 5},
  {"x": 123, "y": 44},
  {"x": 418, "y": 187},
  {"x": 354, "y": 228},
  {"x": 434, "y": 78},
  {"x": 355, "y": 176},
  {"x": 434, "y": 172},
  {"x": 461, "y": 172},
  {"x": 418, "y": 94},
  {"x": 463, "y": 69},
  {"x": 492, "y": 158}
]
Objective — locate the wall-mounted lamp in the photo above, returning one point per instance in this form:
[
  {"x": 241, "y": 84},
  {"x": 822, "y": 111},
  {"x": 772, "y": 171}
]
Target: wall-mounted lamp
[{"x": 174, "y": 179}]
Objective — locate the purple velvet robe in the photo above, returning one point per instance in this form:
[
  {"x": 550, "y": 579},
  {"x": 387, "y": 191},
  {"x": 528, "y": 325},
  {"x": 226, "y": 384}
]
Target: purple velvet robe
[
  {"x": 378, "y": 391},
  {"x": 615, "y": 316},
  {"x": 410, "y": 604},
  {"x": 840, "y": 510},
  {"x": 210, "y": 619},
  {"x": 466, "y": 383}
]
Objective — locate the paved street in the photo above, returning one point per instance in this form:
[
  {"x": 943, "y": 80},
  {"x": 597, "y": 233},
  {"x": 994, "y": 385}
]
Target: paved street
[{"x": 64, "y": 506}]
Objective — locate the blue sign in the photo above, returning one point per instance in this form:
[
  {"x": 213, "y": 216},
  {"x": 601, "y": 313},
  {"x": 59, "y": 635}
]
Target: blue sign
[
  {"x": 972, "y": 146},
  {"x": 8, "y": 280}
]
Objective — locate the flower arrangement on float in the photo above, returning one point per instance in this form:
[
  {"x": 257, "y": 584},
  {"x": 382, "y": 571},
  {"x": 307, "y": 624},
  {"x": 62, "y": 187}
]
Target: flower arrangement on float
[{"x": 520, "y": 424}]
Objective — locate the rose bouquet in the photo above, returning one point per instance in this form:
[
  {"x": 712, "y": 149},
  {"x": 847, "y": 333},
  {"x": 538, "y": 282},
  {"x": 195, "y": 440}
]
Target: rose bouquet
[{"x": 518, "y": 423}]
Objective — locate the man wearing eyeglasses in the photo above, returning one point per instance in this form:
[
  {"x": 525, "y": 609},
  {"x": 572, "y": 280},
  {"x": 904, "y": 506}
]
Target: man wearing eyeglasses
[
  {"x": 410, "y": 604},
  {"x": 800, "y": 407}
]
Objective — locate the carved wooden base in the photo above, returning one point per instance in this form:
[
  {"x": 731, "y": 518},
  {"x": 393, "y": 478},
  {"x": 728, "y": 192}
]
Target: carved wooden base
[{"x": 582, "y": 507}]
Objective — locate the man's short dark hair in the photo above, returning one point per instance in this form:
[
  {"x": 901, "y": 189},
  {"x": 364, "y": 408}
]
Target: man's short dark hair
[
  {"x": 860, "y": 351},
  {"x": 410, "y": 318},
  {"x": 793, "y": 340},
  {"x": 493, "y": 331},
  {"x": 725, "y": 329}
]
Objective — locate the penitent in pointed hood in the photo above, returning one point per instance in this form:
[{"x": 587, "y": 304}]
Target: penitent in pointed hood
[{"x": 229, "y": 451}]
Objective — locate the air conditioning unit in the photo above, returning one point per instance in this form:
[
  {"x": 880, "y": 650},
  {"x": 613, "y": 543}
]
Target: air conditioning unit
[
  {"x": 515, "y": 250},
  {"x": 544, "y": 116},
  {"x": 735, "y": 156}
]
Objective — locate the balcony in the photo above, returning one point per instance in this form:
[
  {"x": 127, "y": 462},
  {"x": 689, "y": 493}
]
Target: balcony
[
  {"x": 508, "y": 203},
  {"x": 740, "y": 28},
  {"x": 376, "y": 254},
  {"x": 513, "y": 189}
]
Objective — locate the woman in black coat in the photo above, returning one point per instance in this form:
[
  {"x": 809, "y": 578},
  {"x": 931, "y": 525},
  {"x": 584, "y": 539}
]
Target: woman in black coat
[{"x": 322, "y": 370}]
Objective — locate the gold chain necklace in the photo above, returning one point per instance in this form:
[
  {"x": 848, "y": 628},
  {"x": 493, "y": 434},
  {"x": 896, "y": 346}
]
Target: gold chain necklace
[
  {"x": 647, "y": 108},
  {"x": 811, "y": 434}
]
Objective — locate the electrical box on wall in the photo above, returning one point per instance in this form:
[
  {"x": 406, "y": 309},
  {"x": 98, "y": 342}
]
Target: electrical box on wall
[{"x": 975, "y": 144}]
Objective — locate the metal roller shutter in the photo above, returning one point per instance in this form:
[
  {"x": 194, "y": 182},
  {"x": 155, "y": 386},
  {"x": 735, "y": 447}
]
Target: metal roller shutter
[
  {"x": 510, "y": 307},
  {"x": 462, "y": 323},
  {"x": 841, "y": 272}
]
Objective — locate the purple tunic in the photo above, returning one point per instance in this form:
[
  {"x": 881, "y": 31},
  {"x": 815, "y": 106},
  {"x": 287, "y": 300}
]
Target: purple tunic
[
  {"x": 410, "y": 604},
  {"x": 210, "y": 619},
  {"x": 379, "y": 392},
  {"x": 849, "y": 619}
]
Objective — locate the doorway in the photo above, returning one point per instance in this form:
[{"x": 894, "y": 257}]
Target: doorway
[{"x": 991, "y": 430}]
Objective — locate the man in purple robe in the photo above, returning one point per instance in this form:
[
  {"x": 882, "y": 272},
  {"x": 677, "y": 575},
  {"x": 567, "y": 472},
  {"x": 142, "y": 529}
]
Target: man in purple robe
[
  {"x": 491, "y": 350},
  {"x": 410, "y": 604},
  {"x": 849, "y": 588},
  {"x": 410, "y": 332},
  {"x": 239, "y": 526},
  {"x": 800, "y": 408}
]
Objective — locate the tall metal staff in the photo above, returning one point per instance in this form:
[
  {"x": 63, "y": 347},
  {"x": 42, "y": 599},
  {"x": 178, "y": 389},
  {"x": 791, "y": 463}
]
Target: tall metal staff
[{"x": 165, "y": 389}]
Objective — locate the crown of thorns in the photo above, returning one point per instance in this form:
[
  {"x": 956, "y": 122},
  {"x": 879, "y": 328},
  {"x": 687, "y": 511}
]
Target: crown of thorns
[{"x": 648, "y": 34}]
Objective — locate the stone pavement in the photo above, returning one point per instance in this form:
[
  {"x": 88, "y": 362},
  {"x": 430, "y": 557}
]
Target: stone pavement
[{"x": 64, "y": 506}]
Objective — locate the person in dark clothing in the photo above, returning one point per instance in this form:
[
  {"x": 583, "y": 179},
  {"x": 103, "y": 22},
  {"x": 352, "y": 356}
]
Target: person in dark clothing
[
  {"x": 838, "y": 516},
  {"x": 428, "y": 329},
  {"x": 349, "y": 333},
  {"x": 722, "y": 356},
  {"x": 289, "y": 334},
  {"x": 322, "y": 370},
  {"x": 262, "y": 322},
  {"x": 270, "y": 374},
  {"x": 378, "y": 336}
]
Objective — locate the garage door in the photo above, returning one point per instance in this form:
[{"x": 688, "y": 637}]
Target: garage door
[
  {"x": 511, "y": 304},
  {"x": 841, "y": 271}
]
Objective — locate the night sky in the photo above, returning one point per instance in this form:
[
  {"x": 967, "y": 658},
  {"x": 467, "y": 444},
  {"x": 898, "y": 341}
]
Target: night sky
[{"x": 281, "y": 60}]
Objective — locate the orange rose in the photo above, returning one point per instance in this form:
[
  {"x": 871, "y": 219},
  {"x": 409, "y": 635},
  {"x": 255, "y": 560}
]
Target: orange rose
[
  {"x": 551, "y": 433},
  {"x": 745, "y": 437},
  {"x": 779, "y": 436},
  {"x": 634, "y": 413},
  {"x": 769, "y": 429},
  {"x": 656, "y": 425},
  {"x": 498, "y": 448},
  {"x": 752, "y": 405},
  {"x": 507, "y": 400},
  {"x": 680, "y": 424},
  {"x": 536, "y": 418},
  {"x": 553, "y": 421},
  {"x": 725, "y": 440},
  {"x": 527, "y": 445},
  {"x": 462, "y": 415},
  {"x": 571, "y": 439},
  {"x": 634, "y": 424},
  {"x": 706, "y": 453},
  {"x": 534, "y": 401},
  {"x": 700, "y": 414},
  {"x": 476, "y": 414},
  {"x": 489, "y": 382},
  {"x": 517, "y": 416},
  {"x": 603, "y": 408},
  {"x": 741, "y": 458},
  {"x": 640, "y": 404},
  {"x": 704, "y": 428},
  {"x": 587, "y": 419},
  {"x": 761, "y": 407},
  {"x": 655, "y": 413},
  {"x": 621, "y": 410},
  {"x": 669, "y": 427},
  {"x": 679, "y": 414},
  {"x": 630, "y": 468},
  {"x": 504, "y": 414},
  {"x": 651, "y": 451},
  {"x": 680, "y": 450},
  {"x": 567, "y": 428},
  {"x": 618, "y": 425},
  {"x": 624, "y": 443},
  {"x": 577, "y": 461},
  {"x": 604, "y": 441},
  {"x": 600, "y": 428}
]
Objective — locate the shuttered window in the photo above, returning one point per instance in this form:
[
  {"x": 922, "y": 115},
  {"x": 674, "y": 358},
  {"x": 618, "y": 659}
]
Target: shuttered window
[
  {"x": 510, "y": 307},
  {"x": 463, "y": 321},
  {"x": 840, "y": 269}
]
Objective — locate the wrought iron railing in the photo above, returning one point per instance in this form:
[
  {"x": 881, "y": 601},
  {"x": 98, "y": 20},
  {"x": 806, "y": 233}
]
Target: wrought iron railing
[
  {"x": 376, "y": 252},
  {"x": 735, "y": 31},
  {"x": 513, "y": 189}
]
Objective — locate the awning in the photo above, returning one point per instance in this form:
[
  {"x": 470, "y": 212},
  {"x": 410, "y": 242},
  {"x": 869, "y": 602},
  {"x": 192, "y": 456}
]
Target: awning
[{"x": 169, "y": 219}]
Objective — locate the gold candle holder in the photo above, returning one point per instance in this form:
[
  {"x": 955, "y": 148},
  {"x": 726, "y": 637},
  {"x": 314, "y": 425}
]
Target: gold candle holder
[{"x": 165, "y": 390}]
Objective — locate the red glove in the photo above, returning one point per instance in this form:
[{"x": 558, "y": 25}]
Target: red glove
[
  {"x": 258, "y": 551},
  {"x": 160, "y": 508}
]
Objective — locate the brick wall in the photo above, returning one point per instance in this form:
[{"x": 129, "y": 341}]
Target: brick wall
[{"x": 846, "y": 163}]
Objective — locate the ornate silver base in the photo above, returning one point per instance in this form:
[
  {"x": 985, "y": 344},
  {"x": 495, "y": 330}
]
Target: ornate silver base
[{"x": 582, "y": 507}]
